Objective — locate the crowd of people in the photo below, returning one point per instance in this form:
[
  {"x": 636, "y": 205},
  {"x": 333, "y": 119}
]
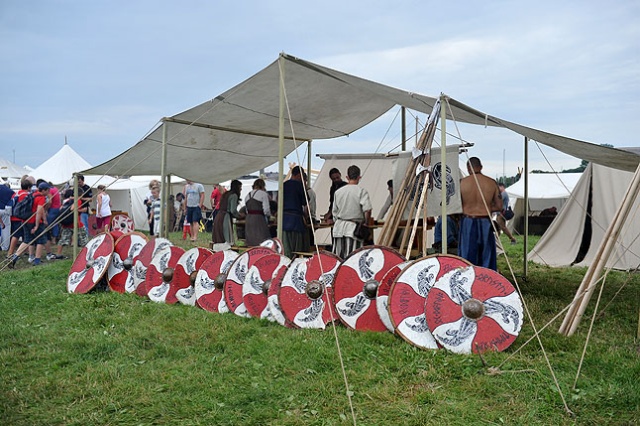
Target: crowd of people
[
  {"x": 39, "y": 216},
  {"x": 470, "y": 233}
]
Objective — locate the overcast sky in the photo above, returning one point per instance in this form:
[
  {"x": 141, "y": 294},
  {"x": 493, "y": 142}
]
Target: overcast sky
[{"x": 102, "y": 73}]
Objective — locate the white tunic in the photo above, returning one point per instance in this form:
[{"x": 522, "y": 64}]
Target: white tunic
[{"x": 349, "y": 205}]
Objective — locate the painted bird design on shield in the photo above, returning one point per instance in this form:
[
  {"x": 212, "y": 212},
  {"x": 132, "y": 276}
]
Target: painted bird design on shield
[
  {"x": 191, "y": 263},
  {"x": 297, "y": 279},
  {"x": 312, "y": 312},
  {"x": 425, "y": 280},
  {"x": 241, "y": 272},
  {"x": 206, "y": 282},
  {"x": 457, "y": 337},
  {"x": 419, "y": 324},
  {"x": 364, "y": 265},
  {"x": 456, "y": 286},
  {"x": 355, "y": 307},
  {"x": 255, "y": 282},
  {"x": 509, "y": 314},
  {"x": 135, "y": 248}
]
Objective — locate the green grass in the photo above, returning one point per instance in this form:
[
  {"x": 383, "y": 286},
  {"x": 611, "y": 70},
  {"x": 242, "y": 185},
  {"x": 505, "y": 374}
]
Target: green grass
[{"x": 112, "y": 359}]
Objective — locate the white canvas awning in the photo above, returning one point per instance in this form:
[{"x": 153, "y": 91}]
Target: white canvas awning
[{"x": 238, "y": 131}]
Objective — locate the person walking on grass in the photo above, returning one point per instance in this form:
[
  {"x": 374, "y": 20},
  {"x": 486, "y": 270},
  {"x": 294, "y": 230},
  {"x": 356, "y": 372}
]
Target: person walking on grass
[{"x": 194, "y": 202}]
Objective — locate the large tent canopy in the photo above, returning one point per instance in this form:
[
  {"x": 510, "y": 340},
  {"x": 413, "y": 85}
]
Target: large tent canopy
[
  {"x": 239, "y": 130},
  {"x": 11, "y": 170},
  {"x": 61, "y": 166}
]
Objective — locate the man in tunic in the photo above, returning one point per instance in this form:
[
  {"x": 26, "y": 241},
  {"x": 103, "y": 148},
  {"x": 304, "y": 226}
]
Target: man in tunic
[
  {"x": 351, "y": 205},
  {"x": 480, "y": 197}
]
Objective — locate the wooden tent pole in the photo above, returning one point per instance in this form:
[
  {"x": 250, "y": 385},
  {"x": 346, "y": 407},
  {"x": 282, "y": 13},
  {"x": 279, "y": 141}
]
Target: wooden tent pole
[
  {"x": 572, "y": 320},
  {"x": 163, "y": 180},
  {"x": 443, "y": 175},
  {"x": 525, "y": 242},
  {"x": 281, "y": 152}
]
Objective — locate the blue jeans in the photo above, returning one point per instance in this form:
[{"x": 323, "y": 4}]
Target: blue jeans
[{"x": 84, "y": 218}]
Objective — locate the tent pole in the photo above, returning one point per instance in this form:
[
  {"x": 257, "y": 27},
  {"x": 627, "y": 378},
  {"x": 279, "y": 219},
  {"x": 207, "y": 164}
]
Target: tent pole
[
  {"x": 443, "y": 173},
  {"x": 163, "y": 179},
  {"x": 76, "y": 214},
  {"x": 404, "y": 128},
  {"x": 281, "y": 145},
  {"x": 167, "y": 207},
  {"x": 309, "y": 163},
  {"x": 525, "y": 266}
]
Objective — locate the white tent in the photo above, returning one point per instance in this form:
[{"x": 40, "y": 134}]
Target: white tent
[
  {"x": 61, "y": 166},
  {"x": 576, "y": 233},
  {"x": 11, "y": 170},
  {"x": 545, "y": 190}
]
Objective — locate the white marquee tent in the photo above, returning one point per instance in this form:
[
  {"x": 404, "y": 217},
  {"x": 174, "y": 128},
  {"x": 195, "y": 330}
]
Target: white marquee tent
[
  {"x": 61, "y": 166},
  {"x": 545, "y": 190},
  {"x": 11, "y": 170},
  {"x": 576, "y": 233}
]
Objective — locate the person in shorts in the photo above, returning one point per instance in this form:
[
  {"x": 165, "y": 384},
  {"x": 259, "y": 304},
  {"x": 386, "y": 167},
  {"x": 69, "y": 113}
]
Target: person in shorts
[{"x": 66, "y": 231}]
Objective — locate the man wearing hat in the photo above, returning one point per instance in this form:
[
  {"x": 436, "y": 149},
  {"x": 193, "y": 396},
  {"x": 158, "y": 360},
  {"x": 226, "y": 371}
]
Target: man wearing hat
[{"x": 35, "y": 226}]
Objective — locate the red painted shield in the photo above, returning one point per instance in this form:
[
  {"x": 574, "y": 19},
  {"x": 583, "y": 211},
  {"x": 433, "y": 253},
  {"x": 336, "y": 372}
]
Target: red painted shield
[
  {"x": 143, "y": 259},
  {"x": 258, "y": 282},
  {"x": 408, "y": 295},
  {"x": 382, "y": 298},
  {"x": 182, "y": 286},
  {"x": 356, "y": 284},
  {"x": 236, "y": 278},
  {"x": 275, "y": 309},
  {"x": 122, "y": 223},
  {"x": 474, "y": 309},
  {"x": 306, "y": 292},
  {"x": 116, "y": 235},
  {"x": 120, "y": 273},
  {"x": 214, "y": 269},
  {"x": 274, "y": 244},
  {"x": 90, "y": 265},
  {"x": 160, "y": 275}
]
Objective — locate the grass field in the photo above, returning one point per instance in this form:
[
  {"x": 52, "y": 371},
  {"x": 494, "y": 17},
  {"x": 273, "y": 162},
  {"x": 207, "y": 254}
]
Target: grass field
[{"x": 113, "y": 359}]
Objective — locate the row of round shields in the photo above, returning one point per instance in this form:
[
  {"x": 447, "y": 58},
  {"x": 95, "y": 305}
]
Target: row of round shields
[{"x": 436, "y": 301}]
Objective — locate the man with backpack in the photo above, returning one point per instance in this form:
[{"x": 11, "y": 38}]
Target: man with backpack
[{"x": 34, "y": 225}]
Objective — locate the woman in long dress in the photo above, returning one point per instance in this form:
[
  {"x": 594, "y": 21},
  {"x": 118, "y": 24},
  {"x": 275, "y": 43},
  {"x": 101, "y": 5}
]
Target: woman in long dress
[
  {"x": 256, "y": 226},
  {"x": 223, "y": 223}
]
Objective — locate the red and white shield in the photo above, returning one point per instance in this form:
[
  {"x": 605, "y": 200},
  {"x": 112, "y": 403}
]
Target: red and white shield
[
  {"x": 143, "y": 259},
  {"x": 258, "y": 282},
  {"x": 116, "y": 235},
  {"x": 382, "y": 298},
  {"x": 306, "y": 292},
  {"x": 210, "y": 281},
  {"x": 275, "y": 309},
  {"x": 274, "y": 244},
  {"x": 184, "y": 276},
  {"x": 120, "y": 273},
  {"x": 409, "y": 293},
  {"x": 474, "y": 309},
  {"x": 90, "y": 265},
  {"x": 122, "y": 223},
  {"x": 160, "y": 274},
  {"x": 356, "y": 284},
  {"x": 236, "y": 278}
]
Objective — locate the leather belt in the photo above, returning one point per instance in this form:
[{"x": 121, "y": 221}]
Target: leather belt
[{"x": 471, "y": 216}]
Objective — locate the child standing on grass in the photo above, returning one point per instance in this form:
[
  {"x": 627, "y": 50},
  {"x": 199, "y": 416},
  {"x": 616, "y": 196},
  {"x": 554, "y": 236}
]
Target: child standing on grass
[{"x": 154, "y": 212}]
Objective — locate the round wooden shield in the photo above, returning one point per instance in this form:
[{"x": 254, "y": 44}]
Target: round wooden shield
[
  {"x": 306, "y": 292},
  {"x": 409, "y": 293},
  {"x": 120, "y": 273},
  {"x": 122, "y": 223},
  {"x": 275, "y": 308},
  {"x": 356, "y": 285},
  {"x": 274, "y": 244},
  {"x": 161, "y": 274},
  {"x": 474, "y": 309},
  {"x": 210, "y": 281},
  {"x": 236, "y": 278},
  {"x": 182, "y": 287},
  {"x": 143, "y": 259},
  {"x": 90, "y": 265},
  {"x": 256, "y": 285},
  {"x": 382, "y": 298}
]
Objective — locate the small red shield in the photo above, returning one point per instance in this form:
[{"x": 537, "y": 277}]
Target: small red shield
[
  {"x": 160, "y": 274},
  {"x": 143, "y": 259},
  {"x": 182, "y": 286},
  {"x": 210, "y": 281},
  {"x": 236, "y": 278},
  {"x": 120, "y": 273},
  {"x": 122, "y": 223},
  {"x": 258, "y": 281},
  {"x": 91, "y": 264}
]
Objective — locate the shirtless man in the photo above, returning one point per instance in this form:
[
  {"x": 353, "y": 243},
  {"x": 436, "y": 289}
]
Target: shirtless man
[{"x": 477, "y": 241}]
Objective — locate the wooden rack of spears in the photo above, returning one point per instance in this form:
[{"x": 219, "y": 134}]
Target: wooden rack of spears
[{"x": 416, "y": 180}]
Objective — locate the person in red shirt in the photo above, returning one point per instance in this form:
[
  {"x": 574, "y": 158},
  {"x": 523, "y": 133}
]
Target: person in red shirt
[
  {"x": 34, "y": 227},
  {"x": 17, "y": 230},
  {"x": 216, "y": 196}
]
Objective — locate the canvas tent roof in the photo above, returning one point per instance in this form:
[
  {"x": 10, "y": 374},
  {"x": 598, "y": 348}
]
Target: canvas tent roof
[
  {"x": 11, "y": 170},
  {"x": 581, "y": 224},
  {"x": 61, "y": 166},
  {"x": 238, "y": 131}
]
